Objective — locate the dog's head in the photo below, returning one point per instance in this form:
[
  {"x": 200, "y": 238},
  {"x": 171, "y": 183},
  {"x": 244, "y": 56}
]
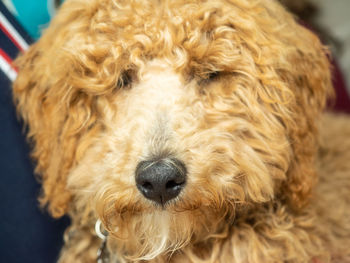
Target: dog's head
[{"x": 163, "y": 118}]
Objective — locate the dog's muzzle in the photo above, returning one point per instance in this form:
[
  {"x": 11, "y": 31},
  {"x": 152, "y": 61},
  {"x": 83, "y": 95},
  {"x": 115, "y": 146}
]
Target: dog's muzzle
[{"x": 161, "y": 180}]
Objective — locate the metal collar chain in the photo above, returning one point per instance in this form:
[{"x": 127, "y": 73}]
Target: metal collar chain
[{"x": 102, "y": 252}]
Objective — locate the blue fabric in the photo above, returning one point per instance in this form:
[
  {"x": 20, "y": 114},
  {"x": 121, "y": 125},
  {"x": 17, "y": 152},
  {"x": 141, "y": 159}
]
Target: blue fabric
[
  {"x": 27, "y": 234},
  {"x": 34, "y": 16}
]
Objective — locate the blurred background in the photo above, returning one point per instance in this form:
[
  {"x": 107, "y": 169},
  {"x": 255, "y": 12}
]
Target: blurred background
[
  {"x": 331, "y": 20},
  {"x": 334, "y": 16}
]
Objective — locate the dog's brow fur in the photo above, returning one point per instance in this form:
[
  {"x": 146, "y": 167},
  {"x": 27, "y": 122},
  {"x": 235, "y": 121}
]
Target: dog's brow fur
[{"x": 232, "y": 89}]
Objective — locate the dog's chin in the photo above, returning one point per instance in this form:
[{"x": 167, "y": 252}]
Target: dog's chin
[{"x": 144, "y": 234}]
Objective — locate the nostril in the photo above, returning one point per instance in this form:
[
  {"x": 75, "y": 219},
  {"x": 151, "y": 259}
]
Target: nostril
[
  {"x": 147, "y": 186},
  {"x": 172, "y": 184}
]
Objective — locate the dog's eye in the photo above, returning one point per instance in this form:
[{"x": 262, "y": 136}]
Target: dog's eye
[
  {"x": 125, "y": 79},
  {"x": 208, "y": 77},
  {"x": 213, "y": 75}
]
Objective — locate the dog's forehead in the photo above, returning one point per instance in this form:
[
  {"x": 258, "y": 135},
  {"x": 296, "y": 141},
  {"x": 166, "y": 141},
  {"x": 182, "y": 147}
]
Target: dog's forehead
[
  {"x": 158, "y": 71},
  {"x": 158, "y": 81},
  {"x": 159, "y": 88}
]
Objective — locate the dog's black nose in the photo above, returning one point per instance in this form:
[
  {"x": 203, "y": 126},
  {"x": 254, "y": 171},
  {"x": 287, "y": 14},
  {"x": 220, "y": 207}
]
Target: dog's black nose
[{"x": 161, "y": 180}]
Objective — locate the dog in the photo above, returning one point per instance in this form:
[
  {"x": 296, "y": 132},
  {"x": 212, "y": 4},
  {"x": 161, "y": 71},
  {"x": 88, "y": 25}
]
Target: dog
[{"x": 187, "y": 131}]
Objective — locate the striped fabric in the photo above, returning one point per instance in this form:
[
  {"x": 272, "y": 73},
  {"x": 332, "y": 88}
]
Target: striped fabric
[{"x": 13, "y": 39}]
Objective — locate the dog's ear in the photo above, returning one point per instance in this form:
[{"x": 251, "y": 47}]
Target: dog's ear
[
  {"x": 291, "y": 70},
  {"x": 291, "y": 79},
  {"x": 60, "y": 116},
  {"x": 308, "y": 76},
  {"x": 41, "y": 109}
]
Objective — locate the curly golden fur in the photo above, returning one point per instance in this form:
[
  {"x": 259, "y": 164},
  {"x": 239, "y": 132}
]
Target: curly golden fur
[{"x": 233, "y": 88}]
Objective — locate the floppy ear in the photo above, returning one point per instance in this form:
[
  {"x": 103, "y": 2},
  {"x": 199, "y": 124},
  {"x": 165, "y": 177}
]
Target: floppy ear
[
  {"x": 293, "y": 80},
  {"x": 39, "y": 106},
  {"x": 308, "y": 76},
  {"x": 60, "y": 116},
  {"x": 59, "y": 119}
]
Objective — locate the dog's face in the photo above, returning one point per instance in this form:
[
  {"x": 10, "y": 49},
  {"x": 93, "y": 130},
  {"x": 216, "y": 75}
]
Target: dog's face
[{"x": 164, "y": 119}]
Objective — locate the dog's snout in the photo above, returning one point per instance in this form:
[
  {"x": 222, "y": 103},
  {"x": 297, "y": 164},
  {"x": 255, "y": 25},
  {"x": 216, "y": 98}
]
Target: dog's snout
[{"x": 161, "y": 180}]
